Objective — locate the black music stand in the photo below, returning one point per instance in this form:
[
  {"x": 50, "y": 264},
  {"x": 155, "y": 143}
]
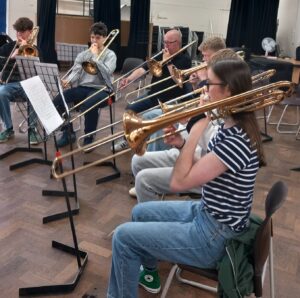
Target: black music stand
[
  {"x": 49, "y": 74},
  {"x": 264, "y": 134},
  {"x": 27, "y": 70},
  {"x": 81, "y": 256},
  {"x": 67, "y": 52}
]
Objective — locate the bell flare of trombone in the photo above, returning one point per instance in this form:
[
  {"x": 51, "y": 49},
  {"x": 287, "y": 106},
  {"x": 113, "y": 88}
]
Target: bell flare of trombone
[
  {"x": 90, "y": 66},
  {"x": 155, "y": 67},
  {"x": 179, "y": 75},
  {"x": 29, "y": 49}
]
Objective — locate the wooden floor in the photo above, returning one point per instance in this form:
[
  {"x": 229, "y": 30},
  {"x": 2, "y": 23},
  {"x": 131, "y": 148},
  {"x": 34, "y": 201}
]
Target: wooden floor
[{"x": 27, "y": 258}]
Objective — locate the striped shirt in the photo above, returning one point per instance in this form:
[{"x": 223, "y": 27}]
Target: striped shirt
[{"x": 228, "y": 197}]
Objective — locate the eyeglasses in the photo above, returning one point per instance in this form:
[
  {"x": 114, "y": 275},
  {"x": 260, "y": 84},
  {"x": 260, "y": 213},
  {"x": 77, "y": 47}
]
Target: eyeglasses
[
  {"x": 207, "y": 83},
  {"x": 169, "y": 42}
]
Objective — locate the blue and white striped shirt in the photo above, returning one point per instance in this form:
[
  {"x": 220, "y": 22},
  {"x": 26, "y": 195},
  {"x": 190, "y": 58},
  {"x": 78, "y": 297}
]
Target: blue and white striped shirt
[{"x": 228, "y": 197}]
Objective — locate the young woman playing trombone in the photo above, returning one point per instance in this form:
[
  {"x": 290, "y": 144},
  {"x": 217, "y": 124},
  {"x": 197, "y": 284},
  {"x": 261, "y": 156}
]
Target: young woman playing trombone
[{"x": 194, "y": 232}]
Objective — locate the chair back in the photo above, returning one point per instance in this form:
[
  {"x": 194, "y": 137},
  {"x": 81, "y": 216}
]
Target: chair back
[
  {"x": 130, "y": 63},
  {"x": 274, "y": 201}
]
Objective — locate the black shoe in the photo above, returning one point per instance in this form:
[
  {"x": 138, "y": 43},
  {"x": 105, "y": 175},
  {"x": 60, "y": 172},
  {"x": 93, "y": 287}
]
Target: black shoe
[{"x": 64, "y": 140}]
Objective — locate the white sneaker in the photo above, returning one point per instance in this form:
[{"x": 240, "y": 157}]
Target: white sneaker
[
  {"x": 132, "y": 192},
  {"x": 120, "y": 145}
]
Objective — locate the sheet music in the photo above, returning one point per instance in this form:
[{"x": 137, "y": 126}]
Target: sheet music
[
  {"x": 42, "y": 103},
  {"x": 61, "y": 92}
]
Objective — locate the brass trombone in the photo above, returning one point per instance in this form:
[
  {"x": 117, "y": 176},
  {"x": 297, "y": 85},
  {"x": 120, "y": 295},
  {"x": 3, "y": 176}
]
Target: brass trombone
[
  {"x": 161, "y": 105},
  {"x": 137, "y": 130},
  {"x": 27, "y": 50},
  {"x": 167, "y": 106},
  {"x": 155, "y": 67},
  {"x": 90, "y": 66},
  {"x": 179, "y": 75}
]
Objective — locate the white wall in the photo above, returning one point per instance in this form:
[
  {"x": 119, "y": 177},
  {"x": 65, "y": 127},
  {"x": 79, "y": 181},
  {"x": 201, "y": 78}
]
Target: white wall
[
  {"x": 288, "y": 32},
  {"x": 17, "y": 9},
  {"x": 200, "y": 15}
]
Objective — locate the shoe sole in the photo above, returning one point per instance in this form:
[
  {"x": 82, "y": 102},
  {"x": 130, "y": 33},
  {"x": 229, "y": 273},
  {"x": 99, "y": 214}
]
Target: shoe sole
[
  {"x": 150, "y": 290},
  {"x": 132, "y": 194}
]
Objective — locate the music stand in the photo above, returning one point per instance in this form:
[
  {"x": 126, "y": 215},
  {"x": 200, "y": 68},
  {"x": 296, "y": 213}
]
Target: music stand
[
  {"x": 67, "y": 52},
  {"x": 27, "y": 70},
  {"x": 49, "y": 74},
  {"x": 81, "y": 256}
]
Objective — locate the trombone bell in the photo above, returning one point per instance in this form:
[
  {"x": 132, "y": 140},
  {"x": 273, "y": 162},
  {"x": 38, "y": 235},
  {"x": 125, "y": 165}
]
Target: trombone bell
[{"x": 90, "y": 67}]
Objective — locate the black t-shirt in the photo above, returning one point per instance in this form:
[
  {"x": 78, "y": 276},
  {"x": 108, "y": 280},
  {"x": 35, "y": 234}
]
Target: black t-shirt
[{"x": 181, "y": 61}]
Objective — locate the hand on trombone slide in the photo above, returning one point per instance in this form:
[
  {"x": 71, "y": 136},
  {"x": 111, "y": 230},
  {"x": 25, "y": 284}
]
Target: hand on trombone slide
[
  {"x": 65, "y": 83},
  {"x": 172, "y": 138}
]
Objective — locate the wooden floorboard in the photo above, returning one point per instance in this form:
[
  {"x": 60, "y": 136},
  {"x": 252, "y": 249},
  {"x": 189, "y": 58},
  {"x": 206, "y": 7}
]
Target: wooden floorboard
[{"x": 27, "y": 258}]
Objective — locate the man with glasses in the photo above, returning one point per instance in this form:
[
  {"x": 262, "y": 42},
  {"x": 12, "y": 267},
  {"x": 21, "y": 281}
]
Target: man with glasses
[{"x": 172, "y": 43}]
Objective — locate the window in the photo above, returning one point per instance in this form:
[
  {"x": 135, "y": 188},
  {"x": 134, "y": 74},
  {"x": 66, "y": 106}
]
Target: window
[{"x": 75, "y": 7}]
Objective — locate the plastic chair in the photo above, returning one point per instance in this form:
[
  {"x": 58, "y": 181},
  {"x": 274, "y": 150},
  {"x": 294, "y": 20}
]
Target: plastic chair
[
  {"x": 128, "y": 65},
  {"x": 262, "y": 250}
]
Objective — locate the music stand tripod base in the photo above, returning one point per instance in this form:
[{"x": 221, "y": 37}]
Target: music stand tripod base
[
  {"x": 59, "y": 288},
  {"x": 58, "y": 216}
]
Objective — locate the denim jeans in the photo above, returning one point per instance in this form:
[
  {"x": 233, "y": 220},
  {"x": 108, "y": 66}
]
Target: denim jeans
[
  {"x": 152, "y": 172},
  {"x": 9, "y": 93},
  {"x": 77, "y": 94},
  {"x": 177, "y": 232}
]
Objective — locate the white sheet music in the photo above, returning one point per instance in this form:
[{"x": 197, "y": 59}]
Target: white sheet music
[{"x": 42, "y": 103}]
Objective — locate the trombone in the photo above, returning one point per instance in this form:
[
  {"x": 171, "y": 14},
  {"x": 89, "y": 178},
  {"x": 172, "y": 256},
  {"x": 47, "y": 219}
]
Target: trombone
[
  {"x": 137, "y": 130},
  {"x": 167, "y": 107},
  {"x": 91, "y": 66},
  {"x": 27, "y": 50},
  {"x": 163, "y": 106},
  {"x": 177, "y": 75},
  {"x": 155, "y": 66}
]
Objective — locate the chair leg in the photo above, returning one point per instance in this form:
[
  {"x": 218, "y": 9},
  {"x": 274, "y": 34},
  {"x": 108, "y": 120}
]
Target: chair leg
[
  {"x": 297, "y": 134},
  {"x": 193, "y": 283},
  {"x": 280, "y": 122},
  {"x": 168, "y": 281},
  {"x": 271, "y": 266}
]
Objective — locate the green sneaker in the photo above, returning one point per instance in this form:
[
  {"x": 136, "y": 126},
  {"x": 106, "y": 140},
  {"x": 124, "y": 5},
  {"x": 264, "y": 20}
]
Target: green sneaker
[
  {"x": 6, "y": 134},
  {"x": 150, "y": 281},
  {"x": 34, "y": 138}
]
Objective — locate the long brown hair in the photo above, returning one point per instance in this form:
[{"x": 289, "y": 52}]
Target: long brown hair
[{"x": 236, "y": 75}]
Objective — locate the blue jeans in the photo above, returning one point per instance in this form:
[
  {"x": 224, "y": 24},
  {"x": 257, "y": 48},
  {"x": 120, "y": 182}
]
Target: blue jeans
[
  {"x": 77, "y": 94},
  {"x": 177, "y": 232},
  {"x": 9, "y": 92}
]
